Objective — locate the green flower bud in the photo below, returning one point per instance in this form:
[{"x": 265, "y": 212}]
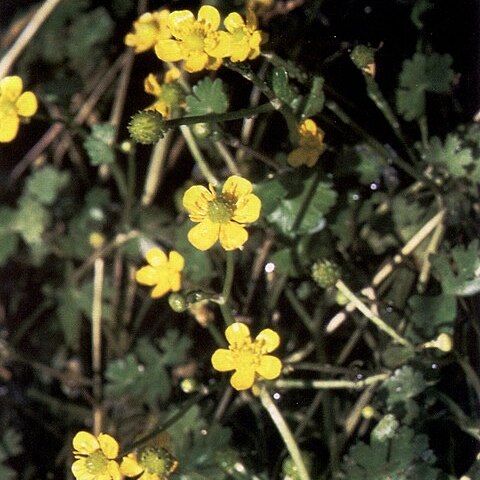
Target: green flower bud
[
  {"x": 146, "y": 127},
  {"x": 177, "y": 302},
  {"x": 325, "y": 273},
  {"x": 202, "y": 130},
  {"x": 189, "y": 385},
  {"x": 362, "y": 56}
]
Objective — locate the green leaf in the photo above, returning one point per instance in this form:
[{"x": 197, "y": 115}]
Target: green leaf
[
  {"x": 284, "y": 90},
  {"x": 459, "y": 270},
  {"x": 450, "y": 156},
  {"x": 208, "y": 97},
  {"x": 99, "y": 144},
  {"x": 419, "y": 8},
  {"x": 8, "y": 236},
  {"x": 369, "y": 167},
  {"x": 404, "y": 384},
  {"x": 306, "y": 200},
  {"x": 31, "y": 219},
  {"x": 419, "y": 75},
  {"x": 124, "y": 376},
  {"x": 46, "y": 183},
  {"x": 432, "y": 315},
  {"x": 69, "y": 316},
  {"x": 405, "y": 456},
  {"x": 315, "y": 99},
  {"x": 175, "y": 347}
]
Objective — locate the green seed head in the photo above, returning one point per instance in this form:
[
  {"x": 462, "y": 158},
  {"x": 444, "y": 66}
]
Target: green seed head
[
  {"x": 146, "y": 127},
  {"x": 177, "y": 302},
  {"x": 325, "y": 273}
]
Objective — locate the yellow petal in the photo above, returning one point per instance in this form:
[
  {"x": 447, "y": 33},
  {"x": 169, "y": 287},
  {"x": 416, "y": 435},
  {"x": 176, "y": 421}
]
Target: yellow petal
[
  {"x": 80, "y": 470},
  {"x": 8, "y": 128},
  {"x": 232, "y": 236},
  {"x": 218, "y": 44},
  {"x": 204, "y": 235},
  {"x": 311, "y": 156},
  {"x": 162, "y": 287},
  {"x": 151, "y": 85},
  {"x": 108, "y": 445},
  {"x": 130, "y": 466},
  {"x": 11, "y": 88},
  {"x": 243, "y": 379},
  {"x": 270, "y": 367},
  {"x": 27, "y": 104},
  {"x": 147, "y": 276},
  {"x": 222, "y": 360},
  {"x": 168, "y": 50},
  {"x": 237, "y": 333},
  {"x": 180, "y": 22},
  {"x": 113, "y": 471},
  {"x": 248, "y": 209},
  {"x": 296, "y": 157},
  {"x": 175, "y": 280},
  {"x": 269, "y": 338},
  {"x": 237, "y": 186},
  {"x": 172, "y": 74},
  {"x": 195, "y": 62},
  {"x": 156, "y": 257},
  {"x": 196, "y": 200},
  {"x": 176, "y": 261},
  {"x": 210, "y": 16},
  {"x": 233, "y": 21},
  {"x": 85, "y": 443},
  {"x": 214, "y": 63}
]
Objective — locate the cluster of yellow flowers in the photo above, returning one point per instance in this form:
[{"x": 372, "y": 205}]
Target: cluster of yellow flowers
[
  {"x": 198, "y": 42},
  {"x": 97, "y": 459},
  {"x": 14, "y": 107}
]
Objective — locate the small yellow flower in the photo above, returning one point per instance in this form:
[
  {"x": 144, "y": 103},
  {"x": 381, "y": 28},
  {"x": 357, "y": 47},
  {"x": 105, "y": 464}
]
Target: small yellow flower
[
  {"x": 221, "y": 216},
  {"x": 152, "y": 463},
  {"x": 310, "y": 147},
  {"x": 14, "y": 106},
  {"x": 245, "y": 38},
  {"x": 196, "y": 41},
  {"x": 95, "y": 457},
  {"x": 169, "y": 94},
  {"x": 248, "y": 359},
  {"x": 149, "y": 28},
  {"x": 162, "y": 272}
]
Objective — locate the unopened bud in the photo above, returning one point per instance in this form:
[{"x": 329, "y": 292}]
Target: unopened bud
[{"x": 146, "y": 127}]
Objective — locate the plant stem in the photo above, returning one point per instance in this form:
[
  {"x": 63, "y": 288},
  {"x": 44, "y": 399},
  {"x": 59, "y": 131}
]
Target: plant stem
[
  {"x": 285, "y": 433},
  {"x": 227, "y": 287},
  {"x": 197, "y": 154},
  {"x": 216, "y": 335},
  {"x": 359, "y": 305},
  {"x": 300, "y": 310},
  {"x": 227, "y": 157},
  {"x": 331, "y": 384}
]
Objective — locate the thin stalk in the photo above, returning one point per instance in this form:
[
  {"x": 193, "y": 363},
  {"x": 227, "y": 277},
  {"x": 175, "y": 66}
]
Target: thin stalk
[
  {"x": 227, "y": 288},
  {"x": 470, "y": 373},
  {"x": 300, "y": 310},
  {"x": 27, "y": 34},
  {"x": 98, "y": 276},
  {"x": 359, "y": 305},
  {"x": 216, "y": 335},
  {"x": 120, "y": 180},
  {"x": 285, "y": 433},
  {"x": 331, "y": 384},
  {"x": 197, "y": 154},
  {"x": 227, "y": 157}
]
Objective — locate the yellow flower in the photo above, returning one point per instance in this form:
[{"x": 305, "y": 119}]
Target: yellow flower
[
  {"x": 14, "y": 106},
  {"x": 152, "y": 463},
  {"x": 197, "y": 42},
  {"x": 149, "y": 29},
  {"x": 245, "y": 38},
  {"x": 248, "y": 359},
  {"x": 311, "y": 145},
  {"x": 95, "y": 457},
  {"x": 169, "y": 94},
  {"x": 221, "y": 216},
  {"x": 162, "y": 272}
]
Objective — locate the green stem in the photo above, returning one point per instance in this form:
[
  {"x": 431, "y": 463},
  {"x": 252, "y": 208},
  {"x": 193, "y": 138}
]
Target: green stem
[
  {"x": 470, "y": 373},
  {"x": 197, "y": 154},
  {"x": 300, "y": 310},
  {"x": 227, "y": 287},
  {"x": 216, "y": 335},
  {"x": 423, "y": 125},
  {"x": 285, "y": 433},
  {"x": 331, "y": 384},
  {"x": 359, "y": 305},
  {"x": 120, "y": 180},
  {"x": 227, "y": 157},
  {"x": 219, "y": 117}
]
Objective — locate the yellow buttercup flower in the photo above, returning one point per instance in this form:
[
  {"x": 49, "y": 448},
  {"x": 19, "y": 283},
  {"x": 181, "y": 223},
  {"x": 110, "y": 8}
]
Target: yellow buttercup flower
[
  {"x": 196, "y": 41},
  {"x": 14, "y": 106},
  {"x": 149, "y": 28},
  {"x": 95, "y": 457},
  {"x": 162, "y": 272},
  {"x": 169, "y": 94},
  {"x": 151, "y": 463},
  {"x": 221, "y": 216},
  {"x": 310, "y": 147},
  {"x": 248, "y": 358},
  {"x": 245, "y": 38}
]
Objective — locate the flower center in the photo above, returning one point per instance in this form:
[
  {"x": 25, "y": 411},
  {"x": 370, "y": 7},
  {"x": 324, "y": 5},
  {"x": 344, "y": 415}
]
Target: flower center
[
  {"x": 157, "y": 460},
  {"x": 96, "y": 463},
  {"x": 7, "y": 109},
  {"x": 195, "y": 41},
  {"x": 247, "y": 354},
  {"x": 219, "y": 211}
]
